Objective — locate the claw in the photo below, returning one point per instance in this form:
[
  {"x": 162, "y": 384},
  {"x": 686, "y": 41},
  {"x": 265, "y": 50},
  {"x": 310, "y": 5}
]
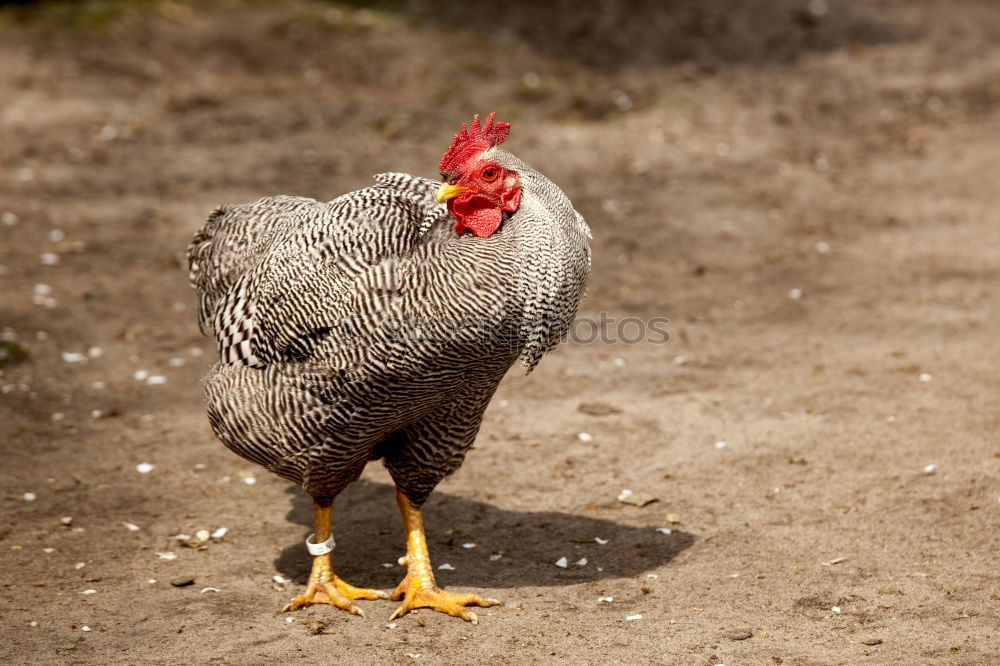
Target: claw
[{"x": 440, "y": 600}]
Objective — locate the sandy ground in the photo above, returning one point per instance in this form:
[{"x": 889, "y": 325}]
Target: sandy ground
[{"x": 810, "y": 197}]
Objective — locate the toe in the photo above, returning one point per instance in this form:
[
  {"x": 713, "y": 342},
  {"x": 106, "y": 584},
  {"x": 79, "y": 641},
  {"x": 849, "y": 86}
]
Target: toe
[
  {"x": 352, "y": 592},
  {"x": 473, "y": 600}
]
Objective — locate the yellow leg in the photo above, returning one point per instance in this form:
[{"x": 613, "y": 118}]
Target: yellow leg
[
  {"x": 418, "y": 589},
  {"x": 324, "y": 586}
]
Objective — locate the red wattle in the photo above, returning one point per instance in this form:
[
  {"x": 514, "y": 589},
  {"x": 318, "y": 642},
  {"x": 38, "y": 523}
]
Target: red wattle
[{"x": 476, "y": 213}]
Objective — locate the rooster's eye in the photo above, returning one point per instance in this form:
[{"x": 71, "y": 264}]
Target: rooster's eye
[{"x": 489, "y": 174}]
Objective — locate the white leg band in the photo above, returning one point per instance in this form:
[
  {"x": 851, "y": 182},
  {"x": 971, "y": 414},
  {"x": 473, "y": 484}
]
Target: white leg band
[{"x": 320, "y": 548}]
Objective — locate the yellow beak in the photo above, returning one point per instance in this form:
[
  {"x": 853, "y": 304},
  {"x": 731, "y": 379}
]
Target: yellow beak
[{"x": 448, "y": 191}]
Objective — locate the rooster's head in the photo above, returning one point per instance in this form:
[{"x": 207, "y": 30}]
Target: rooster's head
[{"x": 478, "y": 190}]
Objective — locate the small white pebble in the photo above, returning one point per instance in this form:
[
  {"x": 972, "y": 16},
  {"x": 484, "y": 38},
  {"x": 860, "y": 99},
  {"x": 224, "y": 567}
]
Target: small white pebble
[
  {"x": 562, "y": 563},
  {"x": 96, "y": 413},
  {"x": 823, "y": 247},
  {"x": 33, "y": 623},
  {"x": 391, "y": 625},
  {"x": 412, "y": 655},
  {"x": 652, "y": 575},
  {"x": 73, "y": 357},
  {"x": 151, "y": 581},
  {"x": 202, "y": 535},
  {"x": 108, "y": 133},
  {"x": 605, "y": 600},
  {"x": 210, "y": 589},
  {"x": 56, "y": 236},
  {"x": 219, "y": 533},
  {"x": 289, "y": 620},
  {"x": 95, "y": 352},
  {"x": 582, "y": 562},
  {"x": 619, "y": 362},
  {"x": 495, "y": 556},
  {"x": 388, "y": 565},
  {"x": 89, "y": 592},
  {"x": 79, "y": 565},
  {"x": 195, "y": 351},
  {"x": 836, "y": 609},
  {"x": 585, "y": 437},
  {"x": 66, "y": 520},
  {"x": 930, "y": 469},
  {"x": 167, "y": 556},
  {"x": 140, "y": 375},
  {"x": 600, "y": 541},
  {"x": 48, "y": 551},
  {"x": 468, "y": 545},
  {"x": 58, "y": 416},
  {"x": 795, "y": 294},
  {"x": 144, "y": 468},
  {"x": 156, "y": 379},
  {"x": 721, "y": 445},
  {"x": 278, "y": 578},
  {"x": 630, "y": 618},
  {"x": 43, "y": 289},
  {"x": 8, "y": 218},
  {"x": 182, "y": 537},
  {"x": 664, "y": 530},
  {"x": 680, "y": 360},
  {"x": 98, "y": 385},
  {"x": 249, "y": 480},
  {"x": 925, "y": 377},
  {"x": 49, "y": 258},
  {"x": 29, "y": 497},
  {"x": 175, "y": 362},
  {"x": 446, "y": 567},
  {"x": 624, "y": 495},
  {"x": 131, "y": 527},
  {"x": 84, "y": 628}
]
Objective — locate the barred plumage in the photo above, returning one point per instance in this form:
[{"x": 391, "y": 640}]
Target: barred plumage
[{"x": 367, "y": 328}]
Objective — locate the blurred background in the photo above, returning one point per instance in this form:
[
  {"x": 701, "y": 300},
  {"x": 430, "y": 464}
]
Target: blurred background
[{"x": 806, "y": 189}]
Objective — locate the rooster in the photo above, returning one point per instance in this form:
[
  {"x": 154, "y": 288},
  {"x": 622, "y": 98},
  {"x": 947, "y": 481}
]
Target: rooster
[{"x": 378, "y": 326}]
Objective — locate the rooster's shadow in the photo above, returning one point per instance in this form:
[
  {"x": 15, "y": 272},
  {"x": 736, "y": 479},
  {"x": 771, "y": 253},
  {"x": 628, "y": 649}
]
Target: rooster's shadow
[{"x": 369, "y": 536}]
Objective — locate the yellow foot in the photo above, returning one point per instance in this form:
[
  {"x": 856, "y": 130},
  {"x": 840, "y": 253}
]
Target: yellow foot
[
  {"x": 326, "y": 588},
  {"x": 434, "y": 597}
]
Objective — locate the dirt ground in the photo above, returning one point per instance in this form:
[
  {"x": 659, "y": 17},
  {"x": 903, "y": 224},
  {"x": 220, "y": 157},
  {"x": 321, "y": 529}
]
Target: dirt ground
[{"x": 807, "y": 190}]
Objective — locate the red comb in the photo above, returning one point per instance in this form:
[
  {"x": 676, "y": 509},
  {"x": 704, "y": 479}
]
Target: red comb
[{"x": 473, "y": 140}]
